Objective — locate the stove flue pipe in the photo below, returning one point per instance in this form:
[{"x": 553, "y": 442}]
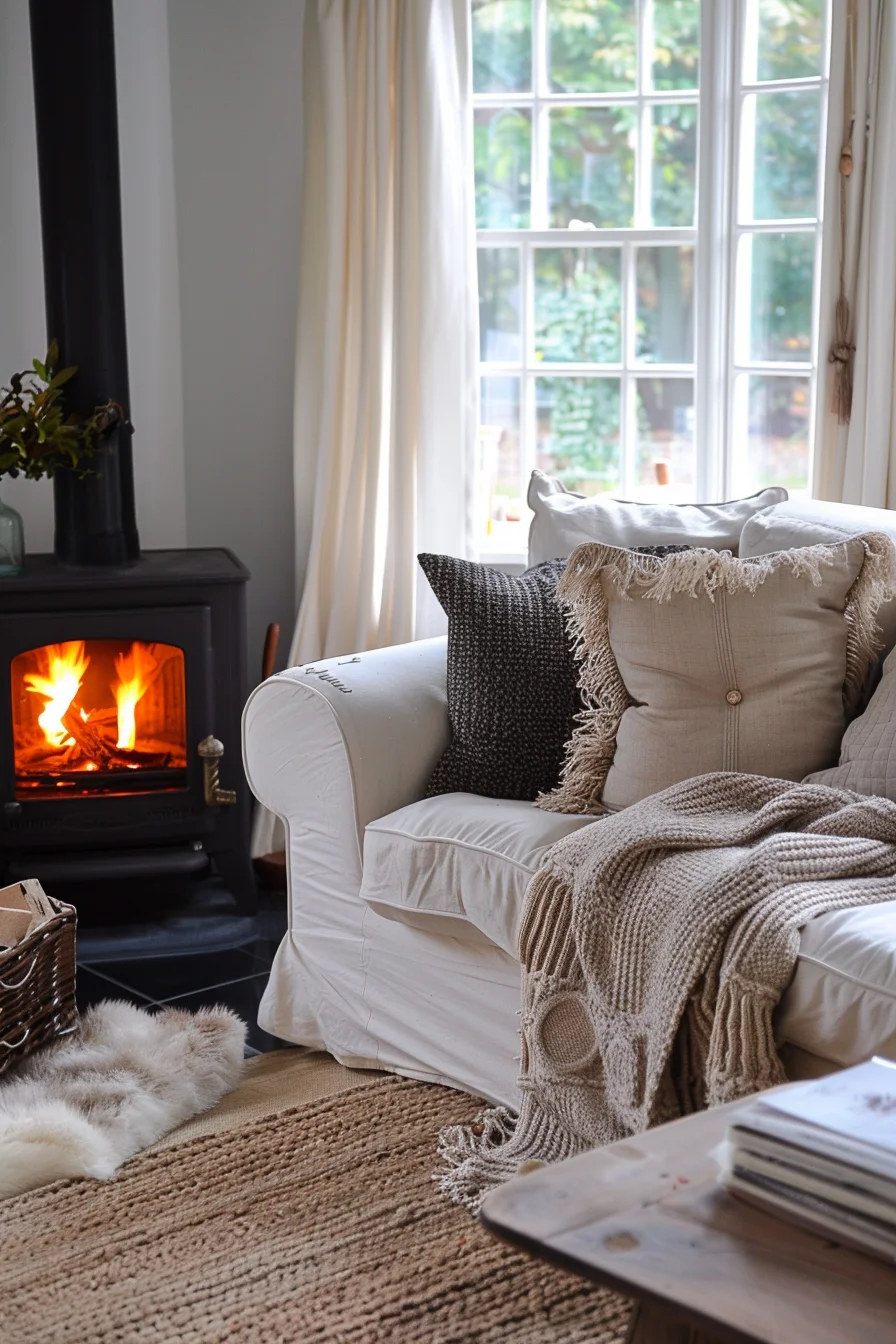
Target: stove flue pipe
[{"x": 73, "y": 60}]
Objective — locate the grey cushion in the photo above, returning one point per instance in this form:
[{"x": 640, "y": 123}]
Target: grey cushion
[
  {"x": 868, "y": 750},
  {"x": 512, "y": 679}
]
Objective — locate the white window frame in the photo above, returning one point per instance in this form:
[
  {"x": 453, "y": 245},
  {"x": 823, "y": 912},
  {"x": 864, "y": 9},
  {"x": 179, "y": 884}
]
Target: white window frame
[
  {"x": 721, "y": 98},
  {"x": 740, "y": 226}
]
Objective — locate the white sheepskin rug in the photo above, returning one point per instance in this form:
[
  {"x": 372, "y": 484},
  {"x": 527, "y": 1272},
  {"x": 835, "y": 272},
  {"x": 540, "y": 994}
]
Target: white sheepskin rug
[{"x": 82, "y": 1106}]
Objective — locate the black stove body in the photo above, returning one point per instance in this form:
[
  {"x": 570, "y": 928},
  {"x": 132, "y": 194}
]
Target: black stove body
[{"x": 80, "y": 799}]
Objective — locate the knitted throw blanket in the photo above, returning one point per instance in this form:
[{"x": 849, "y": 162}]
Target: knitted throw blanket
[{"x": 656, "y": 945}]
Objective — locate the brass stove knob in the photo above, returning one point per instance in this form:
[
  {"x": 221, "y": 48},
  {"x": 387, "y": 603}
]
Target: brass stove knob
[{"x": 211, "y": 751}]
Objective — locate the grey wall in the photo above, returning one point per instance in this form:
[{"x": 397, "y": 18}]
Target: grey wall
[
  {"x": 149, "y": 235},
  {"x": 147, "y": 189},
  {"x": 22, "y": 324},
  {"x": 210, "y": 131},
  {"x": 236, "y": 117}
]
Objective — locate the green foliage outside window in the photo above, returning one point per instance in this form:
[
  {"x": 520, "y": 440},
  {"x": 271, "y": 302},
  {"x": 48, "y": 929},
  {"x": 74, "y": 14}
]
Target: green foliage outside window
[{"x": 592, "y": 49}]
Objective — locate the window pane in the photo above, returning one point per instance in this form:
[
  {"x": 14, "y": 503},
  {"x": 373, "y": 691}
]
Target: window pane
[
  {"x": 771, "y": 432},
  {"x": 780, "y": 267},
  {"x": 499, "y": 303},
  {"x": 665, "y": 431},
  {"x": 591, "y": 47},
  {"x": 784, "y": 39},
  {"x": 676, "y": 44},
  {"x": 502, "y": 138},
  {"x": 578, "y": 304},
  {"x": 785, "y": 159},
  {"x": 578, "y": 431},
  {"x": 664, "y": 331},
  {"x": 592, "y": 166},
  {"x": 502, "y": 46},
  {"x": 674, "y": 176},
  {"x": 499, "y": 439}
]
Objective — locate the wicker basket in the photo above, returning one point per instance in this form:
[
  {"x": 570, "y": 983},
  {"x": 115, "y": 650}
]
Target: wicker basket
[{"x": 37, "y": 977}]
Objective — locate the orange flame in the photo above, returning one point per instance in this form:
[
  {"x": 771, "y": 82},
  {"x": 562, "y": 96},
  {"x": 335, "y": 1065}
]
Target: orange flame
[
  {"x": 66, "y": 665},
  {"x": 135, "y": 671}
]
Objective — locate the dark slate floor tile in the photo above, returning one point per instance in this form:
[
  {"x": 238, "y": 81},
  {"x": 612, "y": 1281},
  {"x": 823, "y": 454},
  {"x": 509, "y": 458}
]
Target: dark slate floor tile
[
  {"x": 206, "y": 920},
  {"x": 91, "y": 988},
  {"x": 161, "y": 978}
]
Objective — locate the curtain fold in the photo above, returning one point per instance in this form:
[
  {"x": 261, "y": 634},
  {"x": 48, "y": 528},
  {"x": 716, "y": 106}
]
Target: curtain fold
[
  {"x": 387, "y": 346},
  {"x": 386, "y": 393},
  {"x": 855, "y": 462}
]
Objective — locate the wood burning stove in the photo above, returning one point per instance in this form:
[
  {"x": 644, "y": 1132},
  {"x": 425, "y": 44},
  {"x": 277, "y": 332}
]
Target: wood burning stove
[
  {"x": 111, "y": 684},
  {"x": 121, "y": 672}
]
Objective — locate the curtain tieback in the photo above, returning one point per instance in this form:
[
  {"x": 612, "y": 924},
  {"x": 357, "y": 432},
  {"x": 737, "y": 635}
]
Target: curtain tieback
[
  {"x": 841, "y": 353},
  {"x": 842, "y": 349}
]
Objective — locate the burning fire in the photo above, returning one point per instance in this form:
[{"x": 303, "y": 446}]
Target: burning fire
[
  {"x": 67, "y": 665},
  {"x": 98, "y": 716},
  {"x": 135, "y": 670}
]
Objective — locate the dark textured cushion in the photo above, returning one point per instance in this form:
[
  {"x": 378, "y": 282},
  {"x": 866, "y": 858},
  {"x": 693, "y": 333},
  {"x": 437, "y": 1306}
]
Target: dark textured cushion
[
  {"x": 512, "y": 679},
  {"x": 660, "y": 551}
]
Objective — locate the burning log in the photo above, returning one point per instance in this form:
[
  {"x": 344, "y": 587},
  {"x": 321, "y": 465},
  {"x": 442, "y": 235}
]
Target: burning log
[
  {"x": 88, "y": 739},
  {"x": 104, "y": 754},
  {"x": 144, "y": 760}
]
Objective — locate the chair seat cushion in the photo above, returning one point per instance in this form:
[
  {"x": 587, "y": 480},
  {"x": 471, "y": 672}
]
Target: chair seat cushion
[
  {"x": 460, "y": 864},
  {"x": 841, "y": 1003}
]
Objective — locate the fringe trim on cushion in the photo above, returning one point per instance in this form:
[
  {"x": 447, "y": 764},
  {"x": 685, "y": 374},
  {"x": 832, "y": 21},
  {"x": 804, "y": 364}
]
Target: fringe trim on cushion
[
  {"x": 875, "y": 585},
  {"x": 590, "y": 751},
  {"x": 699, "y": 572}
]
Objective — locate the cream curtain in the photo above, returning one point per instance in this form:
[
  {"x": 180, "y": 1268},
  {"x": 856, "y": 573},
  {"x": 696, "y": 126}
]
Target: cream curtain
[
  {"x": 387, "y": 345},
  {"x": 386, "y": 399},
  {"x": 855, "y": 461}
]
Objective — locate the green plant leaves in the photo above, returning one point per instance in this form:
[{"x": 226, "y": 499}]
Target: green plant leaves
[{"x": 36, "y": 435}]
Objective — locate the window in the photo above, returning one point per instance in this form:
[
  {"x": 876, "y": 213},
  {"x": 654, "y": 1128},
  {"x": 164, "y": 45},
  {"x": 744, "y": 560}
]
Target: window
[{"x": 648, "y": 212}]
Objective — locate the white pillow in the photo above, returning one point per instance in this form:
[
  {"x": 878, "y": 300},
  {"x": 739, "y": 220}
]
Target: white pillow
[{"x": 563, "y": 520}]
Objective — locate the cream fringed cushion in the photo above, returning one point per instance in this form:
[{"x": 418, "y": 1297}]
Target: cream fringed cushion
[
  {"x": 701, "y": 662},
  {"x": 868, "y": 751}
]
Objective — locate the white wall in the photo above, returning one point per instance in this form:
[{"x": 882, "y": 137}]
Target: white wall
[
  {"x": 150, "y": 259},
  {"x": 236, "y": 118},
  {"x": 23, "y": 332},
  {"x": 152, "y": 297}
]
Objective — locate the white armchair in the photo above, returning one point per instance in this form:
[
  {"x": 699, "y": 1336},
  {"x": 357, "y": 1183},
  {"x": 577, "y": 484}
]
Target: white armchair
[{"x": 329, "y": 748}]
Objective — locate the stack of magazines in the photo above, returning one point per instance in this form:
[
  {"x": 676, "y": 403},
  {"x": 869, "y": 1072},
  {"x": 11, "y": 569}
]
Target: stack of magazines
[{"x": 823, "y": 1155}]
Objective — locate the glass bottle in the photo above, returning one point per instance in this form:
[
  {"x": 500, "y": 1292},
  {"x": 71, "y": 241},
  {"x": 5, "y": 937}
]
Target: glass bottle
[{"x": 12, "y": 542}]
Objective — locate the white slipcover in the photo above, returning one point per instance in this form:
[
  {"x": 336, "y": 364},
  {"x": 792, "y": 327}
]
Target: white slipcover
[
  {"x": 341, "y": 744},
  {"x": 459, "y": 864},
  {"x": 463, "y": 860}
]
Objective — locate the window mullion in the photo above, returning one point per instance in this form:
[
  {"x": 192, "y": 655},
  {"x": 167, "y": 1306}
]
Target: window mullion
[
  {"x": 713, "y": 254},
  {"x": 644, "y": 143},
  {"x": 529, "y": 439},
  {"x": 540, "y": 114},
  {"x": 627, "y": 421},
  {"x": 817, "y": 273},
  {"x": 527, "y": 394}
]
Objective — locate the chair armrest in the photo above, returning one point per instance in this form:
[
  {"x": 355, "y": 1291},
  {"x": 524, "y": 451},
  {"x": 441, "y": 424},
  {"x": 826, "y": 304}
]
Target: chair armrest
[{"x": 362, "y": 733}]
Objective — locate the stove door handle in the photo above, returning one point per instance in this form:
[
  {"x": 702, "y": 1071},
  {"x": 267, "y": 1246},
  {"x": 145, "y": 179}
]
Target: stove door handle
[{"x": 211, "y": 751}]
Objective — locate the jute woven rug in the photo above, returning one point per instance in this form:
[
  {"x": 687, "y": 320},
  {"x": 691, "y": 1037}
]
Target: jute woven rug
[{"x": 319, "y": 1223}]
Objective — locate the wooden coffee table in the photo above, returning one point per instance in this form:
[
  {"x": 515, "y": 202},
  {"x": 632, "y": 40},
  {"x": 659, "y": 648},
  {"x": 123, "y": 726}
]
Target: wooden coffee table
[{"x": 648, "y": 1218}]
